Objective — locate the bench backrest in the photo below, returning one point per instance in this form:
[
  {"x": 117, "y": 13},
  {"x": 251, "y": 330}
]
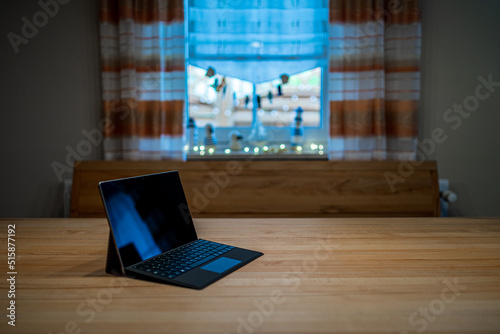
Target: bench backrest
[{"x": 278, "y": 188}]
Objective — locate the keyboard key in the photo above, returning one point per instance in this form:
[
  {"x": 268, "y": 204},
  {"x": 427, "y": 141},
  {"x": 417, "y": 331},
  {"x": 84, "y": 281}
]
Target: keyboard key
[{"x": 208, "y": 258}]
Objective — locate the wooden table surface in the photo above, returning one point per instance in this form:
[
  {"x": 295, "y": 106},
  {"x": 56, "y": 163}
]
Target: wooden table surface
[{"x": 356, "y": 275}]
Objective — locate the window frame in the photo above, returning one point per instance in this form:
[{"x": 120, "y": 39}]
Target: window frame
[{"x": 280, "y": 135}]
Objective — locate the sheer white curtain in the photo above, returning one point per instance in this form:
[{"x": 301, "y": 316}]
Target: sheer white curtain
[{"x": 258, "y": 40}]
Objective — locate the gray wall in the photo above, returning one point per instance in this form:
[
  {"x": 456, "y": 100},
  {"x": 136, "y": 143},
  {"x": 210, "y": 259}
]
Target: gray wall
[
  {"x": 461, "y": 43},
  {"x": 50, "y": 94}
]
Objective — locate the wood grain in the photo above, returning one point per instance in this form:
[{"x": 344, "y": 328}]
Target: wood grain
[
  {"x": 322, "y": 275},
  {"x": 276, "y": 188}
]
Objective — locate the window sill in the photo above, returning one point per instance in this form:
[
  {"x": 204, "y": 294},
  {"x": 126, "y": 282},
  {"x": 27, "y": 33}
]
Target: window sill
[{"x": 255, "y": 156}]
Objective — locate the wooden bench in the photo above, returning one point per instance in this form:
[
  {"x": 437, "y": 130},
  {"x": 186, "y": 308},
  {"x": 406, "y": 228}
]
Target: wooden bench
[{"x": 277, "y": 188}]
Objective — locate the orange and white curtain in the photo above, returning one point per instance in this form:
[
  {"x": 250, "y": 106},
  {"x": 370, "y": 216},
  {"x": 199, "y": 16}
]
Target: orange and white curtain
[
  {"x": 143, "y": 78},
  {"x": 374, "y": 79}
]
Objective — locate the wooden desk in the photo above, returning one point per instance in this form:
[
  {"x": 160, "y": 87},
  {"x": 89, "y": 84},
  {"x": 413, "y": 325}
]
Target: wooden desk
[{"x": 331, "y": 275}]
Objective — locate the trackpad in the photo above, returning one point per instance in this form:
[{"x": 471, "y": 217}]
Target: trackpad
[{"x": 221, "y": 264}]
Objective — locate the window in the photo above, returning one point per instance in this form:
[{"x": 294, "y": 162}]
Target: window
[
  {"x": 234, "y": 106},
  {"x": 253, "y": 63}
]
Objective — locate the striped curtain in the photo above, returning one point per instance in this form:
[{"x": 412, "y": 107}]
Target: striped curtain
[
  {"x": 143, "y": 78},
  {"x": 374, "y": 79}
]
